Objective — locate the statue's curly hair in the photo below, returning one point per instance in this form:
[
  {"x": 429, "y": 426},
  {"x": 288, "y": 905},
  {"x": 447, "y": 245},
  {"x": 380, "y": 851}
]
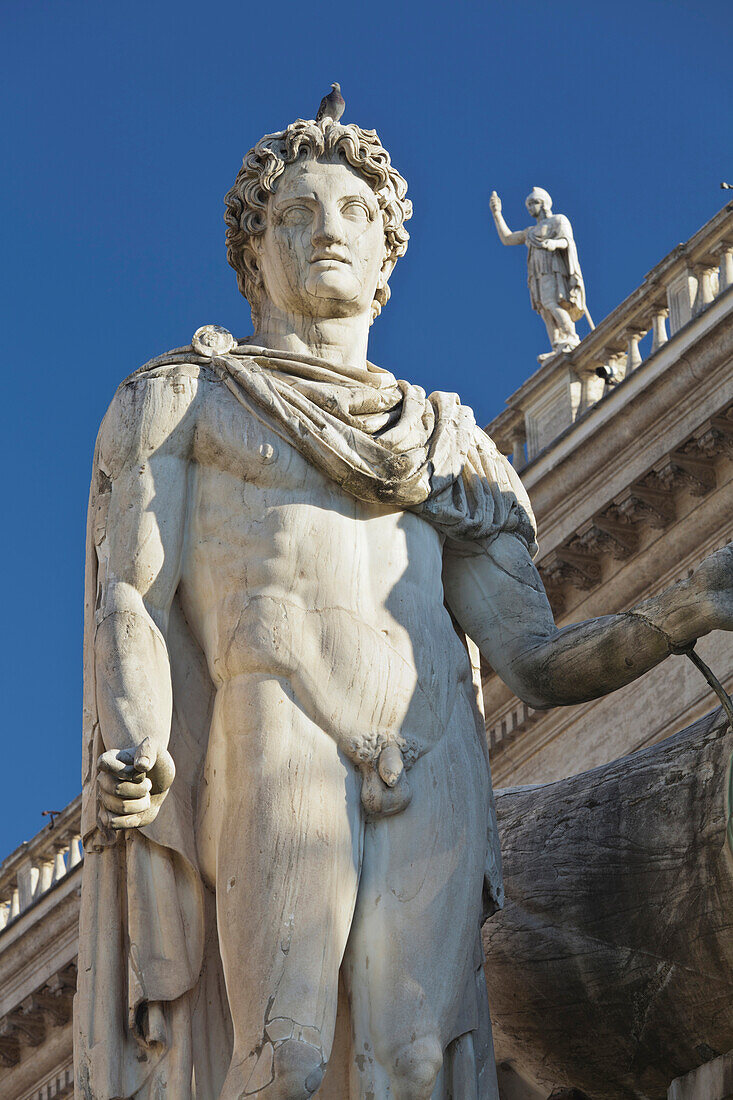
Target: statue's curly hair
[{"x": 246, "y": 202}]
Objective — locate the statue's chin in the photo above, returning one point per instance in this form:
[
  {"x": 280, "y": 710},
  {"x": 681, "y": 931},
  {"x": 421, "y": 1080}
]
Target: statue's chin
[{"x": 340, "y": 286}]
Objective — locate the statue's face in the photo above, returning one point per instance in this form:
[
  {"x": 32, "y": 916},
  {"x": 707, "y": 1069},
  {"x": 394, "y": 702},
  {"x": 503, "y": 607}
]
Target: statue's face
[
  {"x": 535, "y": 207},
  {"x": 323, "y": 249}
]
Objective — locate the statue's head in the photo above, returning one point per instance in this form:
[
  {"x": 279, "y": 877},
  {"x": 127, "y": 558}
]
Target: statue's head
[
  {"x": 315, "y": 220},
  {"x": 538, "y": 203}
]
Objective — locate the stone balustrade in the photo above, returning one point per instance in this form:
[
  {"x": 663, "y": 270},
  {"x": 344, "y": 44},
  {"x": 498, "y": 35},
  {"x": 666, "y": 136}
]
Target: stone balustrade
[
  {"x": 39, "y": 864},
  {"x": 674, "y": 293}
]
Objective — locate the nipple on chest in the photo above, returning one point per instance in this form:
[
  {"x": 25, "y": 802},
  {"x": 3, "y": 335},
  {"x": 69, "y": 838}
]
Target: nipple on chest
[{"x": 267, "y": 453}]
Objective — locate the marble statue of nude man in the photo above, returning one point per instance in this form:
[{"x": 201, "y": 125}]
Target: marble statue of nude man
[{"x": 286, "y": 523}]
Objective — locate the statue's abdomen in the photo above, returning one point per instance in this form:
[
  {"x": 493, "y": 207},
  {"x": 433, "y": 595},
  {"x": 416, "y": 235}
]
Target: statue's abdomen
[{"x": 342, "y": 599}]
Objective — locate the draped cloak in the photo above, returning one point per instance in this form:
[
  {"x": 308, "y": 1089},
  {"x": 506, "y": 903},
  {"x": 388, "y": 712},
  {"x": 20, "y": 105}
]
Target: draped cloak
[
  {"x": 562, "y": 264},
  {"x": 151, "y": 1013}
]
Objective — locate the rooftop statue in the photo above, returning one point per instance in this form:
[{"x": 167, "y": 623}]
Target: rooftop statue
[
  {"x": 556, "y": 288},
  {"x": 294, "y": 561}
]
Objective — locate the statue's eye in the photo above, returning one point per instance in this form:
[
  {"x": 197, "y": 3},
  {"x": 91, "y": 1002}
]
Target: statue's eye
[
  {"x": 356, "y": 210},
  {"x": 295, "y": 215}
]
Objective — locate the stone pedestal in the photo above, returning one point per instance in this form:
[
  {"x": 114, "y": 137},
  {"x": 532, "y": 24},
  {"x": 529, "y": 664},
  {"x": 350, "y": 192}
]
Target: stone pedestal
[{"x": 711, "y": 1081}]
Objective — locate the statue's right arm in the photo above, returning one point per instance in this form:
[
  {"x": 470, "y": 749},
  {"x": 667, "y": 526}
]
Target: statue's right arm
[
  {"x": 144, "y": 451},
  {"x": 506, "y": 236}
]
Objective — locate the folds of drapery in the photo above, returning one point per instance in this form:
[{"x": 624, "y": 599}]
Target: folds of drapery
[
  {"x": 385, "y": 441},
  {"x": 563, "y": 263}
]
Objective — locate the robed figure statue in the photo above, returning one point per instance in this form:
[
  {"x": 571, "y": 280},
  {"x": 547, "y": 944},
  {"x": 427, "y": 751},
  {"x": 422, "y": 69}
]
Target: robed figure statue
[
  {"x": 556, "y": 288},
  {"x": 294, "y": 561}
]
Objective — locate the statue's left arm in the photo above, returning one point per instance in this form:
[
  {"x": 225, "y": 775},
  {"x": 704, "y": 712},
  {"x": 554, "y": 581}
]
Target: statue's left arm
[{"x": 497, "y": 596}]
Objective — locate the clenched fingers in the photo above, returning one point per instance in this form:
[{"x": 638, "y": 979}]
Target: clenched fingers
[
  {"x": 125, "y": 806},
  {"x": 128, "y": 821},
  {"x": 117, "y": 762},
  {"x": 123, "y": 787}
]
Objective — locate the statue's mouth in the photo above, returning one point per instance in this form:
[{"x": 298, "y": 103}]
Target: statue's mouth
[{"x": 329, "y": 257}]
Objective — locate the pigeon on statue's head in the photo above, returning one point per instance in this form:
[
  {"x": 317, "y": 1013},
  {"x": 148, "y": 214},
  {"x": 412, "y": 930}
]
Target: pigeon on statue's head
[{"x": 332, "y": 105}]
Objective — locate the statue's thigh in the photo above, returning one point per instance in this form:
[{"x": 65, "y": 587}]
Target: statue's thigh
[
  {"x": 282, "y": 825},
  {"x": 411, "y": 952},
  {"x": 548, "y": 290}
]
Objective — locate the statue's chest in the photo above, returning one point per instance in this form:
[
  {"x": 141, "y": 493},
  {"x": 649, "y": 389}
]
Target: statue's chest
[{"x": 232, "y": 442}]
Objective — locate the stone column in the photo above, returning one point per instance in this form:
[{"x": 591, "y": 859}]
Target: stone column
[
  {"x": 519, "y": 439},
  {"x": 633, "y": 355},
  {"x": 725, "y": 277},
  {"x": 659, "y": 328},
  {"x": 706, "y": 287}
]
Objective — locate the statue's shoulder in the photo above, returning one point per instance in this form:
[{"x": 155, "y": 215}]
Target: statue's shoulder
[
  {"x": 560, "y": 225},
  {"x": 154, "y": 407},
  {"x": 158, "y": 405},
  {"x": 189, "y": 362},
  {"x": 176, "y": 365}
]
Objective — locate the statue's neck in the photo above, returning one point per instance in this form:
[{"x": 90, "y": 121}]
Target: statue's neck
[{"x": 339, "y": 340}]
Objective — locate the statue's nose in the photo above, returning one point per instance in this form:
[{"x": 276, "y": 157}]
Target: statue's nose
[{"x": 328, "y": 226}]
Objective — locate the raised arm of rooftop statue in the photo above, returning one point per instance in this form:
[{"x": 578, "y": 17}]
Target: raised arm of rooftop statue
[
  {"x": 144, "y": 444},
  {"x": 498, "y": 598},
  {"x": 506, "y": 236}
]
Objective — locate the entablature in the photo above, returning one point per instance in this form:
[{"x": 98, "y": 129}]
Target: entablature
[{"x": 649, "y": 502}]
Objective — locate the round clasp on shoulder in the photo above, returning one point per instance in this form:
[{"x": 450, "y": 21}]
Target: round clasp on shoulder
[{"x": 211, "y": 340}]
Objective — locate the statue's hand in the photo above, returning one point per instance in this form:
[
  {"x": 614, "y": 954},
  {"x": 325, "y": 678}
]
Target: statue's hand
[
  {"x": 495, "y": 204},
  {"x": 712, "y": 585},
  {"x": 133, "y": 784}
]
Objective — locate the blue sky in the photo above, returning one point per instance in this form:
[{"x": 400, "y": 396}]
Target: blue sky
[{"x": 126, "y": 123}]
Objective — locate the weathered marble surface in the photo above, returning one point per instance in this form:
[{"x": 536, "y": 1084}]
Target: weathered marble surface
[
  {"x": 611, "y": 967},
  {"x": 287, "y": 810}
]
